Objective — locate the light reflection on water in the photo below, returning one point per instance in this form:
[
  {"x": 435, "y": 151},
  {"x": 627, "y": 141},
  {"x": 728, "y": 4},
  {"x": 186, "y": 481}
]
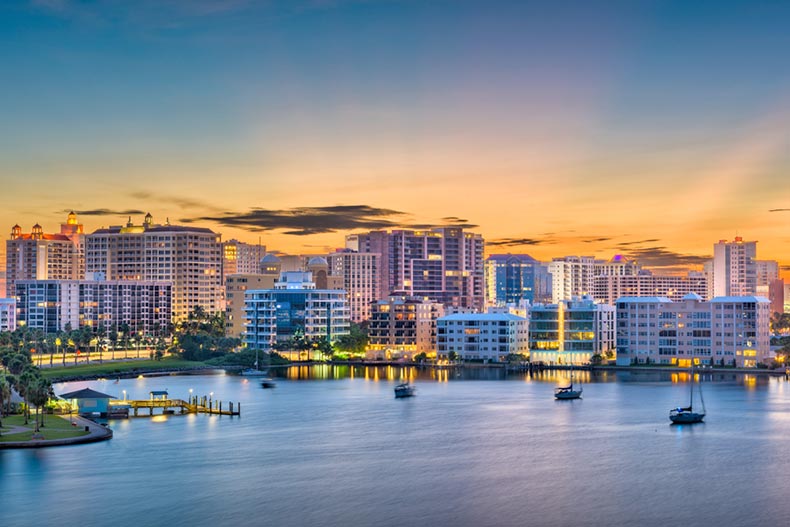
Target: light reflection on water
[{"x": 331, "y": 446}]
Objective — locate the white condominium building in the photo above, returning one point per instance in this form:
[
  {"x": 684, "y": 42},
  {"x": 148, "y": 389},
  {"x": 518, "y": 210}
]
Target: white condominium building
[
  {"x": 482, "y": 336},
  {"x": 725, "y": 331}
]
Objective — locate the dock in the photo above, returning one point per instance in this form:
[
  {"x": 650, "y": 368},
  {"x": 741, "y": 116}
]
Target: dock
[{"x": 197, "y": 405}]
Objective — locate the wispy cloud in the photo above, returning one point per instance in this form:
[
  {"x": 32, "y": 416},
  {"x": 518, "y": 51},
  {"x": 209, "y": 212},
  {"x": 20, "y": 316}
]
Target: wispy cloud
[
  {"x": 105, "y": 212},
  {"x": 303, "y": 221},
  {"x": 779, "y": 210},
  {"x": 660, "y": 256},
  {"x": 516, "y": 242}
]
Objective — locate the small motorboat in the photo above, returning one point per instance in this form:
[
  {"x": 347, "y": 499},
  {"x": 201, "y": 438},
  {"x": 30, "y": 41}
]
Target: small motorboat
[
  {"x": 404, "y": 390},
  {"x": 268, "y": 383}
]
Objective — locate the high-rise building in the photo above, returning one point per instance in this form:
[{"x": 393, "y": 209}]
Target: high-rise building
[
  {"x": 444, "y": 264},
  {"x": 572, "y": 276},
  {"x": 402, "y": 327},
  {"x": 359, "y": 274},
  {"x": 734, "y": 268},
  {"x": 236, "y": 285},
  {"x": 241, "y": 258},
  {"x": 102, "y": 305},
  {"x": 731, "y": 330},
  {"x": 7, "y": 314},
  {"x": 571, "y": 331},
  {"x": 482, "y": 336},
  {"x": 511, "y": 278},
  {"x": 190, "y": 258},
  {"x": 294, "y": 307},
  {"x": 41, "y": 256},
  {"x": 608, "y": 288}
]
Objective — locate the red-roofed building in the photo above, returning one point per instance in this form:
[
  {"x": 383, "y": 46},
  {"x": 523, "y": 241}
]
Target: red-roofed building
[{"x": 43, "y": 256}]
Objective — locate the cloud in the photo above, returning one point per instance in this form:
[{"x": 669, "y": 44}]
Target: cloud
[
  {"x": 184, "y": 203},
  {"x": 779, "y": 210},
  {"x": 785, "y": 267},
  {"x": 659, "y": 256},
  {"x": 638, "y": 242},
  {"x": 515, "y": 242},
  {"x": 105, "y": 212},
  {"x": 596, "y": 240},
  {"x": 303, "y": 221}
]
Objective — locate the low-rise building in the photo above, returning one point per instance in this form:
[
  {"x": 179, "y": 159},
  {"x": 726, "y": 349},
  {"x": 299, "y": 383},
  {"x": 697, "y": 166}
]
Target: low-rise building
[
  {"x": 608, "y": 288},
  {"x": 730, "y": 330},
  {"x": 571, "y": 331},
  {"x": 402, "y": 327},
  {"x": 482, "y": 336}
]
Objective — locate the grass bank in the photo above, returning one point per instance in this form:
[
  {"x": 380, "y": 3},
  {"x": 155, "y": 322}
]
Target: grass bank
[
  {"x": 54, "y": 428},
  {"x": 119, "y": 369}
]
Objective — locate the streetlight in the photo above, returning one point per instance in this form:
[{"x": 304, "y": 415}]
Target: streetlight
[
  {"x": 190, "y": 396},
  {"x": 124, "y": 395},
  {"x": 210, "y": 398}
]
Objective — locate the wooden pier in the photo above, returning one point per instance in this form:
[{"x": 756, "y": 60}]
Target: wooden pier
[{"x": 198, "y": 405}]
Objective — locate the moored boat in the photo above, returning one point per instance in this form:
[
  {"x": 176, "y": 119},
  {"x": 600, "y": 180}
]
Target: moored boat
[{"x": 404, "y": 390}]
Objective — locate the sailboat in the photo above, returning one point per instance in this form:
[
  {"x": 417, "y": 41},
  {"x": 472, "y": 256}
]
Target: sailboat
[
  {"x": 687, "y": 415},
  {"x": 254, "y": 372},
  {"x": 568, "y": 392}
]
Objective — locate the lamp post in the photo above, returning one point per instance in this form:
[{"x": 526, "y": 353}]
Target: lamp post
[
  {"x": 190, "y": 396},
  {"x": 124, "y": 395},
  {"x": 210, "y": 403}
]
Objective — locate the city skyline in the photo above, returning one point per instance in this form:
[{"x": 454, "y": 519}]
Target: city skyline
[{"x": 651, "y": 129}]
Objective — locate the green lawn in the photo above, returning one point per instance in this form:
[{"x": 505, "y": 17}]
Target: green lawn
[
  {"x": 54, "y": 428},
  {"x": 109, "y": 368}
]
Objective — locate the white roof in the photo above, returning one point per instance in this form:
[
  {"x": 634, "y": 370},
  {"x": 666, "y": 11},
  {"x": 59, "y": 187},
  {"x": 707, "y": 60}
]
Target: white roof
[
  {"x": 731, "y": 299},
  {"x": 644, "y": 299},
  {"x": 462, "y": 317}
]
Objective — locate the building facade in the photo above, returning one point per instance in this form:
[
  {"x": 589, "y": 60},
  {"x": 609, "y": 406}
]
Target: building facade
[
  {"x": 571, "y": 331},
  {"x": 7, "y": 314},
  {"x": 189, "y": 258},
  {"x": 42, "y": 256},
  {"x": 359, "y": 274},
  {"x": 443, "y": 264},
  {"x": 402, "y": 327},
  {"x": 727, "y": 331},
  {"x": 511, "y": 278},
  {"x": 241, "y": 258},
  {"x": 294, "y": 307},
  {"x": 482, "y": 336},
  {"x": 236, "y": 285},
  {"x": 102, "y": 305},
  {"x": 572, "y": 276},
  {"x": 608, "y": 288},
  {"x": 734, "y": 268}
]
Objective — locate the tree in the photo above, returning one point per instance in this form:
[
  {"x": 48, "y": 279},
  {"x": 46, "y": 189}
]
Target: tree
[
  {"x": 5, "y": 393},
  {"x": 39, "y": 392},
  {"x": 453, "y": 356}
]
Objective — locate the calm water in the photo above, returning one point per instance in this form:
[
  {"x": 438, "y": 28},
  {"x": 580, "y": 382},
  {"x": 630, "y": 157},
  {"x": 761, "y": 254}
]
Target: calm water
[{"x": 328, "y": 448}]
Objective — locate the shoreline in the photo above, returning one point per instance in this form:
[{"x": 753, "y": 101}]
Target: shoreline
[{"x": 97, "y": 433}]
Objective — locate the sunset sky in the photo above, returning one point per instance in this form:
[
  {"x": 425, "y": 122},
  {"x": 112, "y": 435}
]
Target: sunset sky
[{"x": 594, "y": 127}]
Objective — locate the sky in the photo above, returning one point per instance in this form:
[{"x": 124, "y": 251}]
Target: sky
[{"x": 651, "y": 129}]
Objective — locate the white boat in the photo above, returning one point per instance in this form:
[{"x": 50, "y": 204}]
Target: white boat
[
  {"x": 687, "y": 415},
  {"x": 268, "y": 382},
  {"x": 569, "y": 392},
  {"x": 404, "y": 390},
  {"x": 254, "y": 372}
]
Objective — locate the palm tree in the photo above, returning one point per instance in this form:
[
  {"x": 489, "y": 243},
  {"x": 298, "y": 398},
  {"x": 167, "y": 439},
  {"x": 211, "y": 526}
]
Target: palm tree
[
  {"x": 5, "y": 393},
  {"x": 24, "y": 384},
  {"x": 39, "y": 392}
]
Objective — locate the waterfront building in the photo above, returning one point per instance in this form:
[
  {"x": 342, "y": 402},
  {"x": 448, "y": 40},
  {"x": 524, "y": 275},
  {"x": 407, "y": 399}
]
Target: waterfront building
[
  {"x": 42, "y": 256},
  {"x": 102, "y": 305},
  {"x": 241, "y": 258},
  {"x": 734, "y": 268},
  {"x": 607, "y": 288},
  {"x": 511, "y": 278},
  {"x": 318, "y": 266},
  {"x": 294, "y": 307},
  {"x": 443, "y": 264},
  {"x": 7, "y": 314},
  {"x": 189, "y": 258},
  {"x": 402, "y": 327},
  {"x": 236, "y": 285},
  {"x": 730, "y": 330},
  {"x": 571, "y": 331},
  {"x": 359, "y": 274},
  {"x": 482, "y": 336}
]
